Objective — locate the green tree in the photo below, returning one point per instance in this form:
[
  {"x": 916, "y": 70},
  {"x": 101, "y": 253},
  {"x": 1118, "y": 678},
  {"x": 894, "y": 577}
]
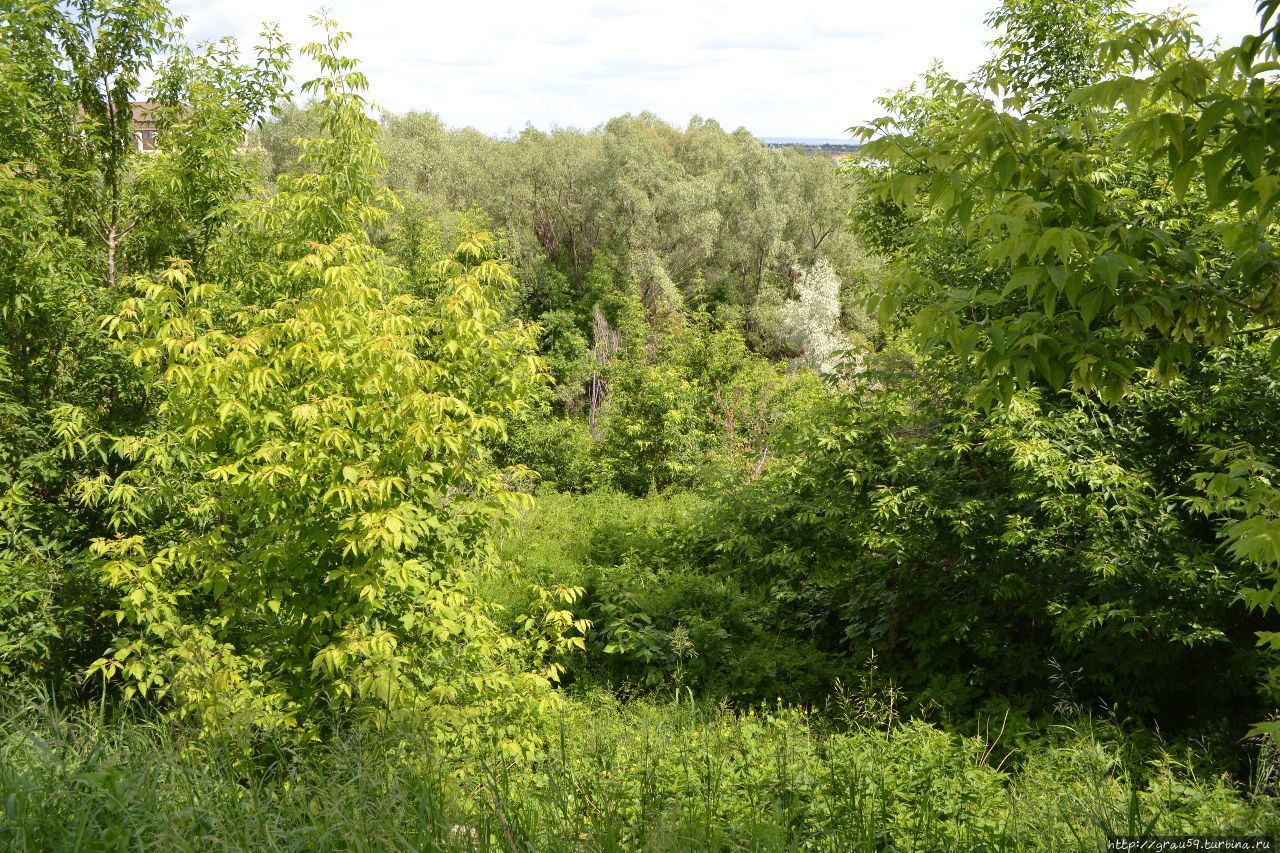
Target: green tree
[
  {"x": 298, "y": 526},
  {"x": 1110, "y": 217},
  {"x": 83, "y": 208}
]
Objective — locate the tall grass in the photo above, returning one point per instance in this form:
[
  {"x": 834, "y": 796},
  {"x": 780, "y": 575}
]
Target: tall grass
[{"x": 636, "y": 776}]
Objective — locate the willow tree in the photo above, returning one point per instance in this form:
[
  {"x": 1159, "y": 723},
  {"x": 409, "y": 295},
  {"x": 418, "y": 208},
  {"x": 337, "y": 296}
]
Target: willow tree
[{"x": 810, "y": 322}]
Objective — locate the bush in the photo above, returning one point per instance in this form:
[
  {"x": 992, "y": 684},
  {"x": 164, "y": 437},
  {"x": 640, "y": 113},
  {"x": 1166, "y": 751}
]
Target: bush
[
  {"x": 560, "y": 450},
  {"x": 940, "y": 535},
  {"x": 659, "y": 622}
]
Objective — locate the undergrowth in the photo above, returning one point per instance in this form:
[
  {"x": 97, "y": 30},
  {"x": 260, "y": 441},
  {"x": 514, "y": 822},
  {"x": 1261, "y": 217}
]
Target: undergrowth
[{"x": 644, "y": 775}]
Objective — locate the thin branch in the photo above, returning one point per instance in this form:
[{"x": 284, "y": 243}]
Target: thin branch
[{"x": 1257, "y": 330}]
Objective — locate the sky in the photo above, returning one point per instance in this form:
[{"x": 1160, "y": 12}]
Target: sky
[{"x": 780, "y": 68}]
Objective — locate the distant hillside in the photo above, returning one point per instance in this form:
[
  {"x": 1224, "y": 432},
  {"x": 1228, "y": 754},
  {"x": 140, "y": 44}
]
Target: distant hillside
[{"x": 834, "y": 148}]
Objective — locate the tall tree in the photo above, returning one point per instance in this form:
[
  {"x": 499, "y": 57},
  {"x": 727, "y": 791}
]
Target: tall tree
[
  {"x": 298, "y": 526},
  {"x": 1117, "y": 229}
]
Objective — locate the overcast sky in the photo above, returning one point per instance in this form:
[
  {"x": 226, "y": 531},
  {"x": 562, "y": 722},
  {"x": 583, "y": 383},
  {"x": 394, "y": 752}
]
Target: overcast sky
[{"x": 778, "y": 68}]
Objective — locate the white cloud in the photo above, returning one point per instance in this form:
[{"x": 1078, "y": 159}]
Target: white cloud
[{"x": 799, "y": 68}]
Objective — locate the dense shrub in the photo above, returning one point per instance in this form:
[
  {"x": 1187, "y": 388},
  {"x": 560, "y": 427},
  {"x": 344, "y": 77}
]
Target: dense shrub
[{"x": 942, "y": 535}]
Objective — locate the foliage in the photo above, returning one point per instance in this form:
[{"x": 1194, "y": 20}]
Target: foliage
[
  {"x": 1100, "y": 257},
  {"x": 79, "y": 207},
  {"x": 693, "y": 219},
  {"x": 939, "y": 535},
  {"x": 190, "y": 187},
  {"x": 667, "y": 776},
  {"x": 1049, "y": 50},
  {"x": 560, "y": 449},
  {"x": 273, "y": 399},
  {"x": 1114, "y": 224},
  {"x": 809, "y": 322},
  {"x": 659, "y": 622},
  {"x": 297, "y": 526},
  {"x": 673, "y": 403}
]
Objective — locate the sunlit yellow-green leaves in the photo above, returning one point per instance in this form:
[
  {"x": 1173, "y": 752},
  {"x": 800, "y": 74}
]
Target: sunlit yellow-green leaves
[{"x": 299, "y": 525}]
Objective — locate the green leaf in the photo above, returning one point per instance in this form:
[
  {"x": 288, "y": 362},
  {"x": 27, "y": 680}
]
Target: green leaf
[
  {"x": 1023, "y": 279},
  {"x": 1214, "y": 166},
  {"x": 1090, "y": 304},
  {"x": 1005, "y": 166},
  {"x": 1107, "y": 268}
]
